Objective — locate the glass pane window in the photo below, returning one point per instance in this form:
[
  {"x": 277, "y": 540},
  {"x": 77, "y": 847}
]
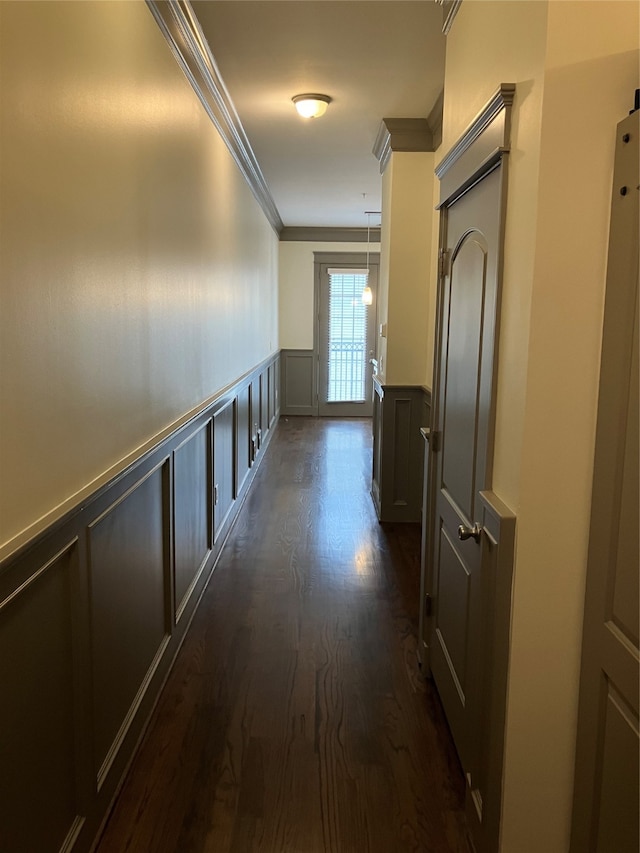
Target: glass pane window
[{"x": 347, "y": 344}]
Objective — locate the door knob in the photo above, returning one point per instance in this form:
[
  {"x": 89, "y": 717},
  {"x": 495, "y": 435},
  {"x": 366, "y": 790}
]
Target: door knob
[{"x": 470, "y": 532}]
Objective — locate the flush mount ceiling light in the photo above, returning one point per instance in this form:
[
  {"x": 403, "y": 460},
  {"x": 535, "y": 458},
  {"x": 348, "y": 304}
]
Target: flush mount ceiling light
[{"x": 311, "y": 105}]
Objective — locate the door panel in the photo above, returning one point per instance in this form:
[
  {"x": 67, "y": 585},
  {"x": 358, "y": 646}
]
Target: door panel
[
  {"x": 626, "y": 593},
  {"x": 466, "y": 296},
  {"x": 606, "y": 790},
  {"x": 463, "y": 418},
  {"x": 453, "y": 608}
]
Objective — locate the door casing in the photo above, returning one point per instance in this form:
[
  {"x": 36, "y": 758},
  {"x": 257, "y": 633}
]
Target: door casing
[{"x": 323, "y": 260}]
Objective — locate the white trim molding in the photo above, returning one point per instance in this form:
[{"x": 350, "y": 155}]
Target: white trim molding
[
  {"x": 180, "y": 27},
  {"x": 449, "y": 11}
]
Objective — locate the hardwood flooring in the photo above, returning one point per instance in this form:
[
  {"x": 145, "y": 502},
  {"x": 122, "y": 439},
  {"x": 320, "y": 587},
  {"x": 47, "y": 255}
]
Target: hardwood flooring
[{"x": 295, "y": 719}]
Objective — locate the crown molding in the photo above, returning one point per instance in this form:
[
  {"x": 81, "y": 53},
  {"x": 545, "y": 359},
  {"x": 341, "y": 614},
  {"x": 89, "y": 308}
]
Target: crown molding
[
  {"x": 401, "y": 134},
  {"x": 501, "y": 100},
  {"x": 484, "y": 142},
  {"x": 180, "y": 27},
  {"x": 449, "y": 11},
  {"x": 328, "y": 235}
]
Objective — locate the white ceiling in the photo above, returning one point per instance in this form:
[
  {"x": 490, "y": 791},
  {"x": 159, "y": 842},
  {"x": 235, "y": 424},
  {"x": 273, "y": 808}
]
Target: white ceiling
[{"x": 375, "y": 58}]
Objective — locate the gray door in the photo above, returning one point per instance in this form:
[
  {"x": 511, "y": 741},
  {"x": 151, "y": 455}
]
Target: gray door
[
  {"x": 605, "y": 815},
  {"x": 463, "y": 415},
  {"x": 345, "y": 339}
]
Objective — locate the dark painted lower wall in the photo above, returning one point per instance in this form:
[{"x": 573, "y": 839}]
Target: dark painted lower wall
[
  {"x": 298, "y": 380},
  {"x": 398, "y": 450},
  {"x": 93, "y": 613}
]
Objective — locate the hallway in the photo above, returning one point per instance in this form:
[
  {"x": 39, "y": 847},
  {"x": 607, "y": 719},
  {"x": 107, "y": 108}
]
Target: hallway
[{"x": 295, "y": 717}]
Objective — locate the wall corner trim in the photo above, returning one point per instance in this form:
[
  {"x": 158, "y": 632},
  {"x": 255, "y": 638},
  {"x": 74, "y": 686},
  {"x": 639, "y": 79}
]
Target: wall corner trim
[
  {"x": 180, "y": 27},
  {"x": 402, "y": 134}
]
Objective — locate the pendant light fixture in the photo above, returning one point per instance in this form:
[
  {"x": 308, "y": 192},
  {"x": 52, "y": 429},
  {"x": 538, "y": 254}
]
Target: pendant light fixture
[{"x": 367, "y": 293}]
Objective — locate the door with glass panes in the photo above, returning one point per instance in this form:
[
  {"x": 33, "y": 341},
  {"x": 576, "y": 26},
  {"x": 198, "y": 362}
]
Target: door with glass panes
[{"x": 345, "y": 337}]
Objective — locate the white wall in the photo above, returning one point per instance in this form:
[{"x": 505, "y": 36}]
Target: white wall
[
  {"x": 296, "y": 287},
  {"x": 138, "y": 274}
]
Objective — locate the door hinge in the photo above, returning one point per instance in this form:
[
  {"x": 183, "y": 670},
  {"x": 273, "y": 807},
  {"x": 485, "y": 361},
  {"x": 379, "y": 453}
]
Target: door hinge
[
  {"x": 444, "y": 263},
  {"x": 434, "y": 441}
]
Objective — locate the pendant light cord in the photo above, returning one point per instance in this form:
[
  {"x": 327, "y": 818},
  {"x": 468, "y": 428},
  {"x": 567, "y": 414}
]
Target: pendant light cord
[{"x": 368, "y": 230}]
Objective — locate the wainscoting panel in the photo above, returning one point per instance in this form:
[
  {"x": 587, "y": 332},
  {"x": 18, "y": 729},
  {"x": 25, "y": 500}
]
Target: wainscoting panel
[
  {"x": 256, "y": 412},
  {"x": 398, "y": 453},
  {"x": 402, "y": 424},
  {"x": 93, "y": 611},
  {"x": 128, "y": 570},
  {"x": 264, "y": 403},
  {"x": 273, "y": 392},
  {"x": 243, "y": 444},
  {"x": 192, "y": 511},
  {"x": 38, "y": 799},
  {"x": 223, "y": 465},
  {"x": 298, "y": 382}
]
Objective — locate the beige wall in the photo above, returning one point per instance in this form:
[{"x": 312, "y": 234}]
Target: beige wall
[
  {"x": 296, "y": 289},
  {"x": 591, "y": 72},
  {"x": 407, "y": 206},
  {"x": 138, "y": 276},
  {"x": 575, "y": 65}
]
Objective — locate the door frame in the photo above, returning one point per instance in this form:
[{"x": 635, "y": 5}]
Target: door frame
[
  {"x": 339, "y": 259},
  {"x": 483, "y": 147},
  {"x": 485, "y": 144}
]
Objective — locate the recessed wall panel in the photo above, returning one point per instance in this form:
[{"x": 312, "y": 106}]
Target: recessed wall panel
[
  {"x": 244, "y": 436},
  {"x": 192, "y": 511},
  {"x": 255, "y": 411},
  {"x": 264, "y": 400},
  {"x": 37, "y": 720},
  {"x": 402, "y": 448},
  {"x": 223, "y": 467},
  {"x": 128, "y": 603},
  {"x": 297, "y": 370}
]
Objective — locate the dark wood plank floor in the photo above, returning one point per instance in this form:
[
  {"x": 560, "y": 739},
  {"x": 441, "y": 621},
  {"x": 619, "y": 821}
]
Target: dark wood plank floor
[{"x": 295, "y": 718}]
